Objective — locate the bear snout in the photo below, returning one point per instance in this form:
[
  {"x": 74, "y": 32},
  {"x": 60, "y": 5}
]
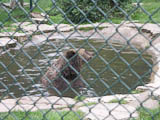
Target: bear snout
[{"x": 90, "y": 55}]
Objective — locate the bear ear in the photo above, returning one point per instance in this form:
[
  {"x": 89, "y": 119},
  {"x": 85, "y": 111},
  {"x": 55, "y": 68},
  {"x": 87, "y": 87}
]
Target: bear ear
[{"x": 70, "y": 53}]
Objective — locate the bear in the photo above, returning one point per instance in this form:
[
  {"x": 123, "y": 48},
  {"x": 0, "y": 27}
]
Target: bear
[{"x": 65, "y": 71}]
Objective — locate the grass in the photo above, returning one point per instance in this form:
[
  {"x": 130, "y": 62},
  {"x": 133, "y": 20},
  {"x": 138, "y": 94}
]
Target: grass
[
  {"x": 40, "y": 115},
  {"x": 57, "y": 19},
  {"x": 85, "y": 29},
  {"x": 120, "y": 101},
  {"x": 80, "y": 98},
  {"x": 89, "y": 104},
  {"x": 136, "y": 91},
  {"x": 150, "y": 8},
  {"x": 8, "y": 29},
  {"x": 144, "y": 114},
  {"x": 16, "y": 15},
  {"x": 148, "y": 12},
  {"x": 117, "y": 20},
  {"x": 148, "y": 114}
]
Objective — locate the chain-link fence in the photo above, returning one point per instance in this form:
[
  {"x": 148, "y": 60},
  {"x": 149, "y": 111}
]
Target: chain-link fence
[{"x": 79, "y": 60}]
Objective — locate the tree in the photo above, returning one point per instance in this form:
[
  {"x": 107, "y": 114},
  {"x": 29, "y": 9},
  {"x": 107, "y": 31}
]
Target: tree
[
  {"x": 111, "y": 3},
  {"x": 14, "y": 2},
  {"x": 80, "y": 11}
]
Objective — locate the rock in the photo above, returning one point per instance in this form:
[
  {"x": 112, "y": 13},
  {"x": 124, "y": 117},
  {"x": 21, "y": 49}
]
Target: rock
[
  {"x": 107, "y": 99},
  {"x": 38, "y": 15},
  {"x": 22, "y": 36},
  {"x": 35, "y": 103},
  {"x": 110, "y": 111},
  {"x": 9, "y": 101},
  {"x": 21, "y": 24},
  {"x": 66, "y": 29},
  {"x": 41, "y": 38},
  {"x": 40, "y": 20},
  {"x": 95, "y": 25},
  {"x": 8, "y": 4},
  {"x": 28, "y": 100},
  {"x": 25, "y": 108},
  {"x": 156, "y": 93},
  {"x": 54, "y": 37},
  {"x": 151, "y": 104},
  {"x": 45, "y": 15},
  {"x": 63, "y": 27},
  {"x": 7, "y": 42},
  {"x": 144, "y": 100},
  {"x": 136, "y": 4},
  {"x": 92, "y": 99},
  {"x": 147, "y": 103},
  {"x": 139, "y": 41},
  {"x": 129, "y": 22},
  {"x": 154, "y": 85},
  {"x": 142, "y": 88},
  {"x": 121, "y": 36},
  {"x": 152, "y": 29},
  {"x": 18, "y": 36},
  {"x": 104, "y": 99},
  {"x": 154, "y": 51},
  {"x": 39, "y": 28},
  {"x": 46, "y": 100},
  {"x": 6, "y": 107}
]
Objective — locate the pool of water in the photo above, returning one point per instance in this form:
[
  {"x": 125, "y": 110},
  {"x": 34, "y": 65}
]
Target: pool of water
[{"x": 114, "y": 68}]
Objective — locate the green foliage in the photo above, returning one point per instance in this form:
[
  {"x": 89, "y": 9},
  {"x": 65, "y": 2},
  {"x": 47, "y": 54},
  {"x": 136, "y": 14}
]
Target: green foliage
[
  {"x": 85, "y": 29},
  {"x": 149, "y": 13},
  {"x": 89, "y": 104},
  {"x": 80, "y": 98},
  {"x": 89, "y": 10},
  {"x": 148, "y": 114},
  {"x": 121, "y": 101},
  {"x": 57, "y": 19},
  {"x": 136, "y": 91},
  {"x": 81, "y": 11},
  {"x": 13, "y": 15},
  {"x": 40, "y": 115}
]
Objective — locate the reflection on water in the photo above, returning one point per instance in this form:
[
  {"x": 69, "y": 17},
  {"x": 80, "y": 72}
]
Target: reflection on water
[{"x": 113, "y": 69}]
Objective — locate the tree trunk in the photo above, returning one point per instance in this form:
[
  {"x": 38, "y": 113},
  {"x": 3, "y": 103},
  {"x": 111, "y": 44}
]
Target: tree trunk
[
  {"x": 21, "y": 2},
  {"x": 112, "y": 4},
  {"x": 13, "y": 3}
]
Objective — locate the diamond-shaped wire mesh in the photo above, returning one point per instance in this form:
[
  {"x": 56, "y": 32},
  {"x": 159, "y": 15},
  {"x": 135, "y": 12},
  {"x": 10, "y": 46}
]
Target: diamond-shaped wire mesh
[{"x": 79, "y": 60}]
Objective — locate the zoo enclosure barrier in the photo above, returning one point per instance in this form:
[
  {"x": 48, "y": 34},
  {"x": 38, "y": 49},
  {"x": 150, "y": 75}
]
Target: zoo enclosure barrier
[{"x": 42, "y": 51}]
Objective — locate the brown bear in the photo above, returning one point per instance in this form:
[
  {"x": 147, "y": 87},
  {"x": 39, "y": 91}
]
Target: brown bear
[{"x": 65, "y": 71}]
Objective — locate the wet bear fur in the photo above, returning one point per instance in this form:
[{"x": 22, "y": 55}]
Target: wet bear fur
[{"x": 65, "y": 72}]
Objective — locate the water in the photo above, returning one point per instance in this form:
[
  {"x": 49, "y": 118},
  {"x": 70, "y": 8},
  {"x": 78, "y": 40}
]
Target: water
[{"x": 112, "y": 65}]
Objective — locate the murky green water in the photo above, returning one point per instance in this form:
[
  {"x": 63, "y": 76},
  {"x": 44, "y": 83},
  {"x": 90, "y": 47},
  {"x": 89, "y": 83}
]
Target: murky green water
[{"x": 113, "y": 69}]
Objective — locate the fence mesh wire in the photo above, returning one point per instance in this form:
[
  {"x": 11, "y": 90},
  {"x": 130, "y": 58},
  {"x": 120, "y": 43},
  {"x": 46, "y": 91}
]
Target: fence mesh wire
[{"x": 79, "y": 60}]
